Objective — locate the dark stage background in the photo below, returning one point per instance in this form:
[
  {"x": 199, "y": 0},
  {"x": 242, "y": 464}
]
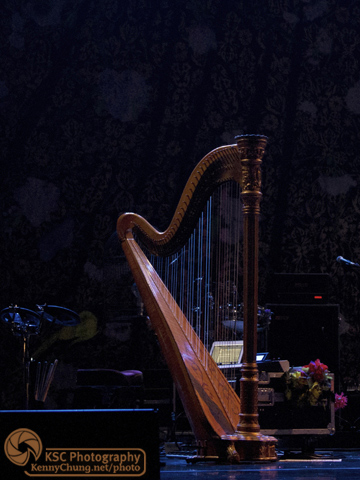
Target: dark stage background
[{"x": 106, "y": 106}]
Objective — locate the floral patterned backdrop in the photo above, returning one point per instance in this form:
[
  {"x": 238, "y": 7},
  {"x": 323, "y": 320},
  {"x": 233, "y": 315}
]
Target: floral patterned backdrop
[{"x": 107, "y": 106}]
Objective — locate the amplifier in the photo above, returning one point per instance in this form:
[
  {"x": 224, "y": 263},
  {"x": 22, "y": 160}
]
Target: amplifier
[
  {"x": 300, "y": 288},
  {"x": 304, "y": 333},
  {"x": 79, "y": 443}
]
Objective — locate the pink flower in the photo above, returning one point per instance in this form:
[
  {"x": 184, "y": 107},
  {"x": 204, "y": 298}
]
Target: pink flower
[{"x": 340, "y": 401}]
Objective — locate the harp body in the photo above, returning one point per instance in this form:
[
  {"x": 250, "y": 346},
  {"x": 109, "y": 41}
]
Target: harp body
[{"x": 224, "y": 425}]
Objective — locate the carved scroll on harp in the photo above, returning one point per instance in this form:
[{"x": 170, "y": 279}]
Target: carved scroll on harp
[{"x": 210, "y": 402}]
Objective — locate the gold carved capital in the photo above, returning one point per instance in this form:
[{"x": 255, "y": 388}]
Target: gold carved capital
[{"x": 251, "y": 150}]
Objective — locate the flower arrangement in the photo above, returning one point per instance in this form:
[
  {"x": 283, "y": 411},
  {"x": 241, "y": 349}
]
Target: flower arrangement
[{"x": 310, "y": 385}]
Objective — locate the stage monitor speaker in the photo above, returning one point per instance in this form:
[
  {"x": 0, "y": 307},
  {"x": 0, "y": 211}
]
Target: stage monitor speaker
[
  {"x": 79, "y": 444},
  {"x": 304, "y": 333}
]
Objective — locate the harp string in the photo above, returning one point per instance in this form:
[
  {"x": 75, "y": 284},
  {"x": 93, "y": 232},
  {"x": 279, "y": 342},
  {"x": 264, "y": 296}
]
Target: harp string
[{"x": 204, "y": 277}]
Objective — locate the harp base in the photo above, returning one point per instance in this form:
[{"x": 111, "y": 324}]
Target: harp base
[
  {"x": 238, "y": 448},
  {"x": 250, "y": 448}
]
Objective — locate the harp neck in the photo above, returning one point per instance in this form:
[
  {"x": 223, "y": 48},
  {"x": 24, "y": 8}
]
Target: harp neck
[{"x": 219, "y": 166}]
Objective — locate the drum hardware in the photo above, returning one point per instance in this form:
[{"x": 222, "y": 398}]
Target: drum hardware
[
  {"x": 24, "y": 323},
  {"x": 59, "y": 315},
  {"x": 44, "y": 377},
  {"x": 233, "y": 317},
  {"x": 234, "y": 321}
]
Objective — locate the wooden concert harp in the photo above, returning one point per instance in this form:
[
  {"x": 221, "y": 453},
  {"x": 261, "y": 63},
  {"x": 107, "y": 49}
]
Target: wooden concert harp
[{"x": 225, "y": 426}]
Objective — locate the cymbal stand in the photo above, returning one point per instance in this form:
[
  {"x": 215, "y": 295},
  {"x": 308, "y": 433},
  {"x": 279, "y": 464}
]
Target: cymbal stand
[{"x": 26, "y": 367}]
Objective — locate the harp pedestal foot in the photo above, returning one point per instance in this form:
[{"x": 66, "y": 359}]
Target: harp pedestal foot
[
  {"x": 238, "y": 448},
  {"x": 250, "y": 448}
]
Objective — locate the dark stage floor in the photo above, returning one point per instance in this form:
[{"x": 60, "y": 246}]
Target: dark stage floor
[{"x": 327, "y": 465}]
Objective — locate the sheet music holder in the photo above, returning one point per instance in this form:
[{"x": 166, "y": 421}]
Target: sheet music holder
[{"x": 227, "y": 354}]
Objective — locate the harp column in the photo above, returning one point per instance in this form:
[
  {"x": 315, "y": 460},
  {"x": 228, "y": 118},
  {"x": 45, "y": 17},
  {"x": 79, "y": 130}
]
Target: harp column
[{"x": 248, "y": 443}]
